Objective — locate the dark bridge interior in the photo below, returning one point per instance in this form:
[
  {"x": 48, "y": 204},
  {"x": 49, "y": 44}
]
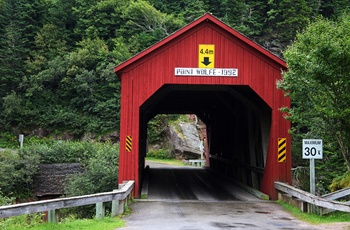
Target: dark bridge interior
[{"x": 238, "y": 126}]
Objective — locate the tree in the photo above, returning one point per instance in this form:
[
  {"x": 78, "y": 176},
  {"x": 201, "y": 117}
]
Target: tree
[
  {"x": 331, "y": 8},
  {"x": 187, "y": 10},
  {"x": 19, "y": 21},
  {"x": 285, "y": 18},
  {"x": 96, "y": 18},
  {"x": 318, "y": 82},
  {"x": 145, "y": 25},
  {"x": 77, "y": 92},
  {"x": 248, "y": 17}
]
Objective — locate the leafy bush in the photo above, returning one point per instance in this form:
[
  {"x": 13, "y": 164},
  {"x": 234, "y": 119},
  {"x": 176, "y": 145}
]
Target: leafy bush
[
  {"x": 16, "y": 173},
  {"x": 100, "y": 175},
  {"x": 4, "y": 200},
  {"x": 100, "y": 161},
  {"x": 62, "y": 151},
  {"x": 160, "y": 154},
  {"x": 8, "y": 140},
  {"x": 21, "y": 222},
  {"x": 340, "y": 182}
]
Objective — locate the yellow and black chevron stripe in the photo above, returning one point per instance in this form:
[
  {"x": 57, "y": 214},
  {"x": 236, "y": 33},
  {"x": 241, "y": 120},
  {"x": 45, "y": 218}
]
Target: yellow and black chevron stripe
[
  {"x": 282, "y": 149},
  {"x": 128, "y": 143}
]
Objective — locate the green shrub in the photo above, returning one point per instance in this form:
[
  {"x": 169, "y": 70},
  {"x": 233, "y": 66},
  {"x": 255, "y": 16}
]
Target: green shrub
[
  {"x": 340, "y": 182},
  {"x": 4, "y": 200},
  {"x": 8, "y": 140},
  {"x": 16, "y": 173},
  {"x": 100, "y": 162},
  {"x": 160, "y": 154},
  {"x": 21, "y": 222},
  {"x": 100, "y": 175},
  {"x": 62, "y": 151}
]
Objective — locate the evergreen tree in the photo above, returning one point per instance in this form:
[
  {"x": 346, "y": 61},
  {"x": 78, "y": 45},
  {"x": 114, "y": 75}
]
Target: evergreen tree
[
  {"x": 98, "y": 19},
  {"x": 19, "y": 20},
  {"x": 286, "y": 18}
]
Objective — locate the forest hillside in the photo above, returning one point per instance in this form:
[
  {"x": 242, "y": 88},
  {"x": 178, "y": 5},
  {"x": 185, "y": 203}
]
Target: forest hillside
[{"x": 57, "y": 56}]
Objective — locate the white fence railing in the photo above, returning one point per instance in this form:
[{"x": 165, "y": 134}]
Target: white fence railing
[
  {"x": 118, "y": 197},
  {"x": 324, "y": 203}
]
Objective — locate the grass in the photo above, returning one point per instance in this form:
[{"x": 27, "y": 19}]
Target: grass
[
  {"x": 315, "y": 218},
  {"x": 107, "y": 223},
  {"x": 172, "y": 161}
]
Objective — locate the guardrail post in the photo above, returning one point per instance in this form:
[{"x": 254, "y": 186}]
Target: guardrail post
[
  {"x": 52, "y": 216},
  {"x": 118, "y": 205},
  {"x": 100, "y": 210},
  {"x": 115, "y": 207}
]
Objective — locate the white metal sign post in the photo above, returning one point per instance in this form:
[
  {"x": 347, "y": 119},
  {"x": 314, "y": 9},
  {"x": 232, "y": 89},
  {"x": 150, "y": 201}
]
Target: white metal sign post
[
  {"x": 20, "y": 139},
  {"x": 312, "y": 149}
]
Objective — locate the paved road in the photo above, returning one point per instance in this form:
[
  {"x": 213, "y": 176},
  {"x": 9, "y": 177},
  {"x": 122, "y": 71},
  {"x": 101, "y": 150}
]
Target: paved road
[
  {"x": 188, "y": 199},
  {"x": 185, "y": 215},
  {"x": 191, "y": 184}
]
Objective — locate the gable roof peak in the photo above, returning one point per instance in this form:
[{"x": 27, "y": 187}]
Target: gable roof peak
[{"x": 204, "y": 18}]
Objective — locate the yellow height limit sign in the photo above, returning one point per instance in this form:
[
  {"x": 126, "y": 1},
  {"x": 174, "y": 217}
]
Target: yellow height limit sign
[{"x": 206, "y": 58}]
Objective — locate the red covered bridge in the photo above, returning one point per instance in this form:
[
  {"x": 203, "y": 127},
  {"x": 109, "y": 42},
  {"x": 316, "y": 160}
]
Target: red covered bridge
[{"x": 229, "y": 82}]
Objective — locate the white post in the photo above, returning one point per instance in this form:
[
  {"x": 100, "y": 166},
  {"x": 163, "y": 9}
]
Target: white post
[
  {"x": 52, "y": 216},
  {"x": 20, "y": 139},
  {"x": 100, "y": 210},
  {"x": 312, "y": 176},
  {"x": 312, "y": 208}
]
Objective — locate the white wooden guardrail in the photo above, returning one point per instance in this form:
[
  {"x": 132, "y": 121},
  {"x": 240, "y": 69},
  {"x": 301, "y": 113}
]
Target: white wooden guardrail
[
  {"x": 118, "y": 198},
  {"x": 198, "y": 163},
  {"x": 321, "y": 202}
]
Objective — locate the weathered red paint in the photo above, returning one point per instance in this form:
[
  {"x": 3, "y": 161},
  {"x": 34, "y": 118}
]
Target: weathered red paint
[{"x": 142, "y": 75}]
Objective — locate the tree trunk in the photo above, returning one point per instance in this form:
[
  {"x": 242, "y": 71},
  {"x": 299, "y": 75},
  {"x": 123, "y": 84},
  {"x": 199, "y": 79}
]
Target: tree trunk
[{"x": 344, "y": 150}]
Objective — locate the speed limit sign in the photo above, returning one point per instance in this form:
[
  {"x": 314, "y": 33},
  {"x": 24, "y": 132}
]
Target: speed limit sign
[{"x": 312, "y": 149}]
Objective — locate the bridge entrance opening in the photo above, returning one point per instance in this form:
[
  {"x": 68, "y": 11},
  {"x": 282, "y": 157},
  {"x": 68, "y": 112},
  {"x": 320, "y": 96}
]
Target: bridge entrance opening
[{"x": 237, "y": 124}]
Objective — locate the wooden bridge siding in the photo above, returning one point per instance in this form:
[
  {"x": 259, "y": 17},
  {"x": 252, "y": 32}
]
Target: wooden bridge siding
[
  {"x": 275, "y": 171},
  {"x": 146, "y": 75}
]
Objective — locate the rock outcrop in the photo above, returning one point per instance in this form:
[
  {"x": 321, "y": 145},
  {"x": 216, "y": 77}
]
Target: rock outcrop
[{"x": 185, "y": 140}]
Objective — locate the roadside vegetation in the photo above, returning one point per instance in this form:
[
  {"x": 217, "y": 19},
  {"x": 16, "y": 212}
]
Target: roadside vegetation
[
  {"x": 34, "y": 222},
  {"x": 333, "y": 217},
  {"x": 172, "y": 161},
  {"x": 99, "y": 162},
  {"x": 317, "y": 82}
]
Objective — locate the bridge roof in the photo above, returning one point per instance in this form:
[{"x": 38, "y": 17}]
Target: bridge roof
[{"x": 205, "y": 18}]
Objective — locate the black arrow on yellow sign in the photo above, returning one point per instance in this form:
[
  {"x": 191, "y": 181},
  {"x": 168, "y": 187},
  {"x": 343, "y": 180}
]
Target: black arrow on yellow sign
[{"x": 206, "y": 61}]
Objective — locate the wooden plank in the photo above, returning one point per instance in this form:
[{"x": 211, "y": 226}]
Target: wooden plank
[
  {"x": 312, "y": 199},
  {"x": 45, "y": 205},
  {"x": 337, "y": 194},
  {"x": 324, "y": 211},
  {"x": 334, "y": 196},
  {"x": 256, "y": 193}
]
